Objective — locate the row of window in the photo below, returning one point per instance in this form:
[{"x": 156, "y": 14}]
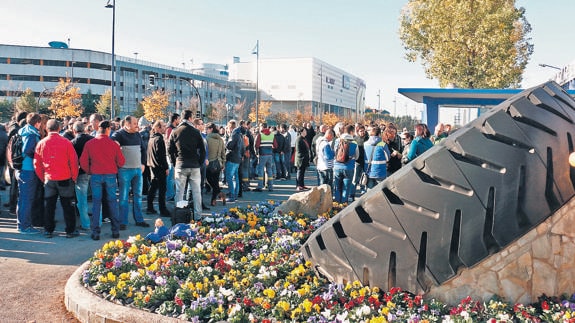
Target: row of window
[{"x": 49, "y": 62}]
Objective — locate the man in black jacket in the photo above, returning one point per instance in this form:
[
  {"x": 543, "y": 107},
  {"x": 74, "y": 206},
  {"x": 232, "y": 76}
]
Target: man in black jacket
[
  {"x": 187, "y": 151},
  {"x": 158, "y": 165},
  {"x": 81, "y": 185}
]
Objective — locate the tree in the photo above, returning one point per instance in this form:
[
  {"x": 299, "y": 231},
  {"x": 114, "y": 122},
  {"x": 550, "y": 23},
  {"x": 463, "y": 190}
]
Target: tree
[
  {"x": 329, "y": 119},
  {"x": 280, "y": 117},
  {"x": 218, "y": 110},
  {"x": 139, "y": 112},
  {"x": 89, "y": 103},
  {"x": 468, "y": 44},
  {"x": 103, "y": 105},
  {"x": 66, "y": 100},
  {"x": 6, "y": 108},
  {"x": 263, "y": 112},
  {"x": 27, "y": 102},
  {"x": 155, "y": 105}
]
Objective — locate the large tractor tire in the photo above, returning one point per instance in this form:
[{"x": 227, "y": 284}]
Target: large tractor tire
[{"x": 483, "y": 187}]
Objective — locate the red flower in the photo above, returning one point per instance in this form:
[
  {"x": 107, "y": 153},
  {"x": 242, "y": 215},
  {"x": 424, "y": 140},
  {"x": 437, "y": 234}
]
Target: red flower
[
  {"x": 109, "y": 264},
  {"x": 545, "y": 306},
  {"x": 178, "y": 301}
]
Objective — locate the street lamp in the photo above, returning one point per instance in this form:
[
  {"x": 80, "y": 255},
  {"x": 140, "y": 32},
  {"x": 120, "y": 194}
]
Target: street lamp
[
  {"x": 550, "y": 66},
  {"x": 256, "y": 51},
  {"x": 113, "y": 7}
]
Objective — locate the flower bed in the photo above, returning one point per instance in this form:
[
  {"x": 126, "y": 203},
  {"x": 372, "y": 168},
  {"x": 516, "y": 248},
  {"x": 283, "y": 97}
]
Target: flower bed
[{"x": 245, "y": 266}]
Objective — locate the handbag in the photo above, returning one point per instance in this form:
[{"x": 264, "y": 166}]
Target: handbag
[
  {"x": 214, "y": 166},
  {"x": 364, "y": 176}
]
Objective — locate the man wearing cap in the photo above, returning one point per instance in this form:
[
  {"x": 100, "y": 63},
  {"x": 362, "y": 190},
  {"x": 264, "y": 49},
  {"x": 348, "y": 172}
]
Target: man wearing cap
[{"x": 103, "y": 169}]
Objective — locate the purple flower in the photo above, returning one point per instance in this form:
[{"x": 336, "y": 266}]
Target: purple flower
[{"x": 117, "y": 262}]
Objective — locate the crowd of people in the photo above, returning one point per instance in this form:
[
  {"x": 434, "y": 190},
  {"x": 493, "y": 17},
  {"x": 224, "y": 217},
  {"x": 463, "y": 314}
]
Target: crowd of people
[{"x": 118, "y": 161}]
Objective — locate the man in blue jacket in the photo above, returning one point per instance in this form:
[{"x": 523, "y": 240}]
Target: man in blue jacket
[
  {"x": 343, "y": 169},
  {"x": 27, "y": 180}
]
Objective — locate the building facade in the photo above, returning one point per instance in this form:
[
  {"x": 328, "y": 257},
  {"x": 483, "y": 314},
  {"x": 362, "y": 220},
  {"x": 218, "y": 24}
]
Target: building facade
[
  {"x": 40, "y": 69},
  {"x": 308, "y": 85},
  {"x": 299, "y": 84}
]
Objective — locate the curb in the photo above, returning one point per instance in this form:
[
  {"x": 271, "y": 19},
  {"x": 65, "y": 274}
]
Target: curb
[{"x": 89, "y": 307}]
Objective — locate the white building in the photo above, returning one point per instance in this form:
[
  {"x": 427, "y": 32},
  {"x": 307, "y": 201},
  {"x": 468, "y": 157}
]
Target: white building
[
  {"x": 292, "y": 84},
  {"x": 40, "y": 69}
]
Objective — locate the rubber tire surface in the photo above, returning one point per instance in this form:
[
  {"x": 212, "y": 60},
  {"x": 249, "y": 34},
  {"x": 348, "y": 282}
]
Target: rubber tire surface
[{"x": 483, "y": 187}]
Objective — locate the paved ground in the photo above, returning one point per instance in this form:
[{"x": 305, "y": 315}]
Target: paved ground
[{"x": 34, "y": 269}]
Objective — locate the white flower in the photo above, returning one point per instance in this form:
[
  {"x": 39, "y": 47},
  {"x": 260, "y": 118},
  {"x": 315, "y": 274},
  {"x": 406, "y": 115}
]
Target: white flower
[
  {"x": 234, "y": 309},
  {"x": 363, "y": 311}
]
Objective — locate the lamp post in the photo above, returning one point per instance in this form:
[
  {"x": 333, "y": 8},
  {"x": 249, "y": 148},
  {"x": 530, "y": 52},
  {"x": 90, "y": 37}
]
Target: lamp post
[
  {"x": 256, "y": 51},
  {"x": 320, "y": 109},
  {"x": 113, "y": 7},
  {"x": 550, "y": 66}
]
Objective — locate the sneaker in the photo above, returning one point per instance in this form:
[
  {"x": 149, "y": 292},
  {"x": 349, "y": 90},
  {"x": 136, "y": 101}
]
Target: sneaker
[
  {"x": 29, "y": 230},
  {"x": 123, "y": 227},
  {"x": 230, "y": 200},
  {"x": 270, "y": 189},
  {"x": 151, "y": 211},
  {"x": 48, "y": 234},
  {"x": 116, "y": 235},
  {"x": 72, "y": 234},
  {"x": 143, "y": 224},
  {"x": 258, "y": 189},
  {"x": 95, "y": 237}
]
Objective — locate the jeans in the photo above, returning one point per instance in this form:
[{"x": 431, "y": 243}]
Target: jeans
[
  {"x": 357, "y": 171},
  {"x": 245, "y": 172},
  {"x": 232, "y": 179},
  {"x": 265, "y": 161},
  {"x": 279, "y": 162},
  {"x": 287, "y": 164},
  {"x": 27, "y": 186},
  {"x": 104, "y": 184},
  {"x": 130, "y": 178},
  {"x": 299, "y": 177},
  {"x": 13, "y": 190},
  {"x": 213, "y": 180},
  {"x": 65, "y": 190},
  {"x": 342, "y": 182},
  {"x": 193, "y": 177},
  {"x": 170, "y": 184},
  {"x": 82, "y": 199},
  {"x": 326, "y": 177}
]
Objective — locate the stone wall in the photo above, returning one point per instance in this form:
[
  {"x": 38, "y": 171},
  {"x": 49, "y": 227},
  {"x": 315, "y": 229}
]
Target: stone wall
[{"x": 540, "y": 262}]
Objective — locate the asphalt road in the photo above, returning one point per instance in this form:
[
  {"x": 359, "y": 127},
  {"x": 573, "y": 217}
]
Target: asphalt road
[{"x": 34, "y": 269}]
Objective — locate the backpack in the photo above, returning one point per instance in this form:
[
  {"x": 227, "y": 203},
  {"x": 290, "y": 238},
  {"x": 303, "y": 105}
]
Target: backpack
[
  {"x": 14, "y": 151},
  {"x": 342, "y": 153},
  {"x": 246, "y": 146}
]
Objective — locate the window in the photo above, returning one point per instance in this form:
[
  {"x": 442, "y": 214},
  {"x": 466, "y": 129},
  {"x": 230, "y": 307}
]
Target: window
[{"x": 49, "y": 62}]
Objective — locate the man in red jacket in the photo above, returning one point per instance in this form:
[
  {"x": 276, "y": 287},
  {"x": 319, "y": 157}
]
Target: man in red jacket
[
  {"x": 102, "y": 158},
  {"x": 56, "y": 164}
]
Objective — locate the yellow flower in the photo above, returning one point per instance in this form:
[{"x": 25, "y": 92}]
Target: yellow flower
[
  {"x": 269, "y": 293},
  {"x": 111, "y": 277},
  {"x": 119, "y": 244},
  {"x": 307, "y": 305},
  {"x": 283, "y": 305},
  {"x": 121, "y": 284}
]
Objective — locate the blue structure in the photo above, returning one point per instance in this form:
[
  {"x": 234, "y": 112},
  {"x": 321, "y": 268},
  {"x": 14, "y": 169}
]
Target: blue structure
[{"x": 459, "y": 98}]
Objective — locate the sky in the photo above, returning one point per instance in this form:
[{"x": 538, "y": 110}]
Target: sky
[{"x": 360, "y": 37}]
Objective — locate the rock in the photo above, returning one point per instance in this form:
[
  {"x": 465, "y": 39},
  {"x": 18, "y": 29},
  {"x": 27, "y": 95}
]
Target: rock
[{"x": 316, "y": 201}]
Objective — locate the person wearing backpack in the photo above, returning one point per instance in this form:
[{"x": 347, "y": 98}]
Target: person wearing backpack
[
  {"x": 346, "y": 153},
  {"x": 17, "y": 123},
  {"x": 27, "y": 179}
]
